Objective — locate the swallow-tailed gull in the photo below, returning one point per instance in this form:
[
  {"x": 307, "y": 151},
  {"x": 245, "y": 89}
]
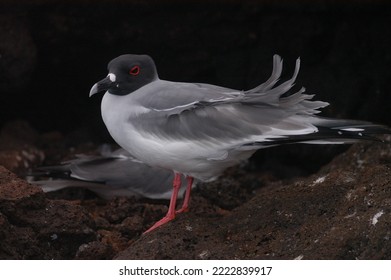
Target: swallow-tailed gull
[
  {"x": 199, "y": 130},
  {"x": 109, "y": 174}
]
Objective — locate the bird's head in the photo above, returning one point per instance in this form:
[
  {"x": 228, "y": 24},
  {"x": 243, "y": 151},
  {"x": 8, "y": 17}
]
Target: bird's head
[{"x": 127, "y": 73}]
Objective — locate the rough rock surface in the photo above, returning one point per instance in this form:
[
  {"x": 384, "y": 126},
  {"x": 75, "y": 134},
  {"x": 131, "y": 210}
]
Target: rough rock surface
[
  {"x": 340, "y": 212},
  {"x": 33, "y": 227}
]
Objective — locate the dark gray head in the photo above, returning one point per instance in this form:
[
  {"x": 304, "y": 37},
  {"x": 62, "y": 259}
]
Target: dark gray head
[{"x": 127, "y": 73}]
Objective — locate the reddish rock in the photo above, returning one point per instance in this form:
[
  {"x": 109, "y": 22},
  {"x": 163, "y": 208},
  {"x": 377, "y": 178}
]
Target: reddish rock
[
  {"x": 343, "y": 212},
  {"x": 33, "y": 227}
]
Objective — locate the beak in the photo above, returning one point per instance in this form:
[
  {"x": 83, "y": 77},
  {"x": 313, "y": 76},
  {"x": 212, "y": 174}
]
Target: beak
[{"x": 102, "y": 85}]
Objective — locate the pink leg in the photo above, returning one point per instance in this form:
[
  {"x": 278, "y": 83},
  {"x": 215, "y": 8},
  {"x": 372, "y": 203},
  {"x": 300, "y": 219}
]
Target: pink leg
[
  {"x": 171, "y": 209},
  {"x": 185, "y": 204}
]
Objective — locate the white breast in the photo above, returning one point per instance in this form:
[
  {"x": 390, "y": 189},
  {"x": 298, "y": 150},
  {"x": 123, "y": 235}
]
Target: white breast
[{"x": 116, "y": 111}]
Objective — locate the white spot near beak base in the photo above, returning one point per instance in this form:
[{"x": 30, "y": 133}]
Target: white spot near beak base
[{"x": 112, "y": 77}]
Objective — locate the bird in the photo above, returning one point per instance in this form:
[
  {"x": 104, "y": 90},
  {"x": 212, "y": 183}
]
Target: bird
[
  {"x": 197, "y": 130},
  {"x": 109, "y": 174}
]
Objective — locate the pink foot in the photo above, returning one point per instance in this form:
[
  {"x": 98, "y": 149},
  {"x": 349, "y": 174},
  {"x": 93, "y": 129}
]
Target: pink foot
[
  {"x": 171, "y": 209},
  {"x": 159, "y": 223}
]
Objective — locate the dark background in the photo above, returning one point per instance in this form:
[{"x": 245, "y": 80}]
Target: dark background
[{"x": 52, "y": 52}]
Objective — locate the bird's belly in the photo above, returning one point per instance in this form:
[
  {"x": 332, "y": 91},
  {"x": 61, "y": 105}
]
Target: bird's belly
[
  {"x": 200, "y": 160},
  {"x": 186, "y": 157}
]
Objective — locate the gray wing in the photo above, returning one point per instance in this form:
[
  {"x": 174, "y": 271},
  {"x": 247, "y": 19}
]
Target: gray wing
[
  {"x": 199, "y": 111},
  {"x": 110, "y": 175}
]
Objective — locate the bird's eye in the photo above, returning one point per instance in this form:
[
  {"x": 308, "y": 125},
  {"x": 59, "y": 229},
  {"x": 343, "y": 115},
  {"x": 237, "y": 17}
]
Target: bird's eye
[{"x": 135, "y": 70}]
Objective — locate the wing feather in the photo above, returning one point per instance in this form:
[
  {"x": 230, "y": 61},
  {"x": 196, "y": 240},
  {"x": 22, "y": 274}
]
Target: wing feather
[{"x": 201, "y": 111}]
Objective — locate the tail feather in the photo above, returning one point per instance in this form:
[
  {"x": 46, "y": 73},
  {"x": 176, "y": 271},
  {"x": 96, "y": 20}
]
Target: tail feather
[
  {"x": 355, "y": 128},
  {"x": 266, "y": 92},
  {"x": 332, "y": 131}
]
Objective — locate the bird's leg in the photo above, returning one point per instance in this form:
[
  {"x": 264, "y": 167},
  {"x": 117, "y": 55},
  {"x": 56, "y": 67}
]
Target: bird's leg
[
  {"x": 186, "y": 200},
  {"x": 171, "y": 209}
]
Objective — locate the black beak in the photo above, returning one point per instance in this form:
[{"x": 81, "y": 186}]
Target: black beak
[{"x": 102, "y": 85}]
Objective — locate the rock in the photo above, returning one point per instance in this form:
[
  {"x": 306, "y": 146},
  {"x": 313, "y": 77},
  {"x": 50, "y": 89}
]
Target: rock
[
  {"x": 340, "y": 212},
  {"x": 95, "y": 250},
  {"x": 18, "y": 147},
  {"x": 33, "y": 227},
  {"x": 19, "y": 161},
  {"x": 343, "y": 212}
]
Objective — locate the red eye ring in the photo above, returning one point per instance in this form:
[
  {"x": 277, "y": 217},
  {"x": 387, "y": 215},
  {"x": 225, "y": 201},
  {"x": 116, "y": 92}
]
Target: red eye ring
[{"x": 135, "y": 70}]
